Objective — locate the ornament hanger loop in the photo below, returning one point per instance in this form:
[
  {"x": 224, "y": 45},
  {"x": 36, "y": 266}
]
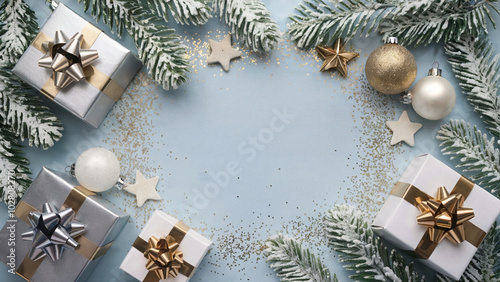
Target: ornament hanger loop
[
  {"x": 391, "y": 40},
  {"x": 435, "y": 65},
  {"x": 52, "y": 4}
]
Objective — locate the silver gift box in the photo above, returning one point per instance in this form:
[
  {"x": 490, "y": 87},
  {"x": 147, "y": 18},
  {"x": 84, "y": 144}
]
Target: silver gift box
[
  {"x": 103, "y": 222},
  {"x": 81, "y": 98}
]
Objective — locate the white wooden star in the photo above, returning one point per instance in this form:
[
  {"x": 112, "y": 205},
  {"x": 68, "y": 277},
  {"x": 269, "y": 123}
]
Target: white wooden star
[
  {"x": 144, "y": 189},
  {"x": 222, "y": 52},
  {"x": 403, "y": 129}
]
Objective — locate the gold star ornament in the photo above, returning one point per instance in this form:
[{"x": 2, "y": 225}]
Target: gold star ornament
[{"x": 336, "y": 57}]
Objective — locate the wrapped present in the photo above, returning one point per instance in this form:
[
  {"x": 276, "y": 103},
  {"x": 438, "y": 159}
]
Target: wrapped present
[
  {"x": 77, "y": 65},
  {"x": 437, "y": 216},
  {"x": 60, "y": 230},
  {"x": 165, "y": 249}
]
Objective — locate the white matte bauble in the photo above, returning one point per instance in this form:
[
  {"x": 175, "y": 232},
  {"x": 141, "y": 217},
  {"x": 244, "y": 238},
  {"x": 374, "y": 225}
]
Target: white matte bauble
[
  {"x": 433, "y": 97},
  {"x": 97, "y": 169}
]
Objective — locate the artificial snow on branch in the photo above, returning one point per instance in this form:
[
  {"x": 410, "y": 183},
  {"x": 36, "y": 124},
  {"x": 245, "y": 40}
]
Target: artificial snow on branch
[
  {"x": 350, "y": 234},
  {"x": 485, "y": 265},
  {"x": 292, "y": 262},
  {"x": 251, "y": 22},
  {"x": 196, "y": 12},
  {"x": 18, "y": 27},
  {"x": 413, "y": 22},
  {"x": 476, "y": 67},
  {"x": 14, "y": 171},
  {"x": 439, "y": 21},
  {"x": 476, "y": 152},
  {"x": 22, "y": 111},
  {"x": 21, "y": 114},
  {"x": 159, "y": 47}
]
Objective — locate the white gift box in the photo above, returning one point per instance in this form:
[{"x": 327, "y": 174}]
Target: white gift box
[
  {"x": 193, "y": 246},
  {"x": 397, "y": 220}
]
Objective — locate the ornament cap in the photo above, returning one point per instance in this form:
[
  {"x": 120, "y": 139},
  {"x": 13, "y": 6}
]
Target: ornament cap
[
  {"x": 435, "y": 70},
  {"x": 391, "y": 40}
]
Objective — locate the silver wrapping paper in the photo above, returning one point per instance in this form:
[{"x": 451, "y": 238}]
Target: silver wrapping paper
[
  {"x": 102, "y": 221},
  {"x": 81, "y": 98}
]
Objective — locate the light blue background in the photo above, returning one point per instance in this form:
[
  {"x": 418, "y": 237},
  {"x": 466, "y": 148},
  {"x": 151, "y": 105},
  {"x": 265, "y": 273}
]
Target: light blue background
[{"x": 335, "y": 149}]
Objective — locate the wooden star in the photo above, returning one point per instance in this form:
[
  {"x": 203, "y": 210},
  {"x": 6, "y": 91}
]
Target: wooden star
[
  {"x": 222, "y": 52},
  {"x": 403, "y": 129},
  {"x": 336, "y": 57},
  {"x": 144, "y": 189}
]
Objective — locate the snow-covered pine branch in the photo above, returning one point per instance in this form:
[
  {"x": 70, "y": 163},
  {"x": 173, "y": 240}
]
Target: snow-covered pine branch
[
  {"x": 159, "y": 47},
  {"x": 440, "y": 21},
  {"x": 196, "y": 12},
  {"x": 350, "y": 234},
  {"x": 475, "y": 151},
  {"x": 318, "y": 22},
  {"x": 292, "y": 262},
  {"x": 476, "y": 67},
  {"x": 251, "y": 22},
  {"x": 14, "y": 171},
  {"x": 485, "y": 265},
  {"x": 17, "y": 30},
  {"x": 413, "y": 22},
  {"x": 23, "y": 112}
]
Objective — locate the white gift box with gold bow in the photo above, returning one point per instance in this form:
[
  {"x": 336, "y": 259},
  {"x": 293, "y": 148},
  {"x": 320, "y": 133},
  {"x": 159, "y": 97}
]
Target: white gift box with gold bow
[
  {"x": 175, "y": 260},
  {"x": 447, "y": 233},
  {"x": 105, "y": 80}
]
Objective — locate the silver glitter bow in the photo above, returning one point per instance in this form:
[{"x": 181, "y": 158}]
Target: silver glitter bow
[
  {"x": 52, "y": 231},
  {"x": 66, "y": 58}
]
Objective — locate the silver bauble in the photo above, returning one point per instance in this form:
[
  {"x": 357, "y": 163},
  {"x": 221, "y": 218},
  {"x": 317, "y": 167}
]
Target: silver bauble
[{"x": 433, "y": 97}]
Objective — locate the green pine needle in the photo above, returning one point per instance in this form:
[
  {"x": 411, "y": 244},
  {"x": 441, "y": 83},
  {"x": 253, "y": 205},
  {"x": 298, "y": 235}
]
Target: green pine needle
[
  {"x": 12, "y": 159},
  {"x": 22, "y": 111},
  {"x": 485, "y": 265},
  {"x": 294, "y": 263},
  {"x": 196, "y": 12},
  {"x": 251, "y": 22},
  {"x": 413, "y": 22},
  {"x": 442, "y": 20},
  {"x": 475, "y": 151},
  {"x": 159, "y": 47},
  {"x": 17, "y": 31},
  {"x": 350, "y": 234},
  {"x": 476, "y": 67}
]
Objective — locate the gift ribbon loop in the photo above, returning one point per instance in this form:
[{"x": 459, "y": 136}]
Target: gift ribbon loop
[
  {"x": 93, "y": 76},
  {"x": 87, "y": 249},
  {"x": 164, "y": 259},
  {"x": 447, "y": 214}
]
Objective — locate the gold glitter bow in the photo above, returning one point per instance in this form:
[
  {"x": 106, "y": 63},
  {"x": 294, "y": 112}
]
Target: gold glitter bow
[
  {"x": 444, "y": 216},
  {"x": 66, "y": 58},
  {"x": 163, "y": 257}
]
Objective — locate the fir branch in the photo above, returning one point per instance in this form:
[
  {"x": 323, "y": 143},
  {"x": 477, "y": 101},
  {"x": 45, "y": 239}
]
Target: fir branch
[
  {"x": 475, "y": 151},
  {"x": 476, "y": 68},
  {"x": 349, "y": 233},
  {"x": 22, "y": 111},
  {"x": 318, "y": 22},
  {"x": 196, "y": 12},
  {"x": 14, "y": 171},
  {"x": 413, "y": 22},
  {"x": 159, "y": 47},
  {"x": 251, "y": 22},
  {"x": 442, "y": 20},
  {"x": 293, "y": 263},
  {"x": 18, "y": 29},
  {"x": 485, "y": 265}
]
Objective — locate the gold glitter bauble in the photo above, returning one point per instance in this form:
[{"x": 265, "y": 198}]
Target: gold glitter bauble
[{"x": 391, "y": 68}]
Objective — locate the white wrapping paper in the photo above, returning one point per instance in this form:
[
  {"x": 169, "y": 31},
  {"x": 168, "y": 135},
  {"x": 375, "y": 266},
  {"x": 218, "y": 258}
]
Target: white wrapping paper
[
  {"x": 396, "y": 221},
  {"x": 193, "y": 245}
]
